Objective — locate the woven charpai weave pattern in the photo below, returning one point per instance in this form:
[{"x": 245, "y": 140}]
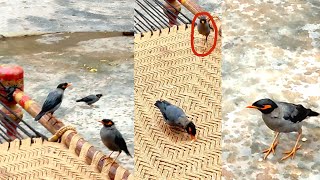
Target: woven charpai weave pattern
[
  {"x": 166, "y": 68},
  {"x": 43, "y": 160}
]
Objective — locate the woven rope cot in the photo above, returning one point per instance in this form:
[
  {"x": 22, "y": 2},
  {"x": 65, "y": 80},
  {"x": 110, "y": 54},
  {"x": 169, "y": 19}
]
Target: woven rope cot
[
  {"x": 47, "y": 160},
  {"x": 166, "y": 68}
]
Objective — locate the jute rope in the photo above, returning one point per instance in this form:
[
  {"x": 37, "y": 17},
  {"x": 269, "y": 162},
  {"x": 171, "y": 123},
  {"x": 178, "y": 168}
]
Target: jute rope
[{"x": 38, "y": 159}]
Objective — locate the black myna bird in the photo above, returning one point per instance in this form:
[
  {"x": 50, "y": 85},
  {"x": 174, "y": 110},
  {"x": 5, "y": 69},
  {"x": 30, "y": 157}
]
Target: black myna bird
[
  {"x": 90, "y": 99},
  {"x": 53, "y": 101},
  {"x": 112, "y": 138},
  {"x": 175, "y": 116},
  {"x": 204, "y": 27},
  {"x": 282, "y": 117}
]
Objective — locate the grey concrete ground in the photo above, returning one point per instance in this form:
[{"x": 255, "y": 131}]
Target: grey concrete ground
[
  {"x": 32, "y": 16},
  {"x": 51, "y": 59},
  {"x": 270, "y": 49}
]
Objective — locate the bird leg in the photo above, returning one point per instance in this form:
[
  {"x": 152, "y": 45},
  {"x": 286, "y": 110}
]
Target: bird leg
[
  {"x": 116, "y": 158},
  {"x": 294, "y": 149},
  {"x": 51, "y": 115},
  {"x": 273, "y": 146},
  {"x": 205, "y": 44},
  {"x": 110, "y": 154},
  {"x": 105, "y": 157}
]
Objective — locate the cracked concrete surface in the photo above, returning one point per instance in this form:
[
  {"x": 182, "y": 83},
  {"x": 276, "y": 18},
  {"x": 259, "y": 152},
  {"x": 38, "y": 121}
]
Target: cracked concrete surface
[
  {"x": 48, "y": 16},
  {"x": 270, "y": 49}
]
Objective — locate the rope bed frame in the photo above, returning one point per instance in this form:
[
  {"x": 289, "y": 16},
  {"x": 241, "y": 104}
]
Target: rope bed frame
[{"x": 166, "y": 68}]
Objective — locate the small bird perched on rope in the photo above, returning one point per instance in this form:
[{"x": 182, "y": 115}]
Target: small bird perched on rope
[
  {"x": 175, "y": 116},
  {"x": 90, "y": 99},
  {"x": 282, "y": 117},
  {"x": 204, "y": 27},
  {"x": 53, "y": 101},
  {"x": 112, "y": 138}
]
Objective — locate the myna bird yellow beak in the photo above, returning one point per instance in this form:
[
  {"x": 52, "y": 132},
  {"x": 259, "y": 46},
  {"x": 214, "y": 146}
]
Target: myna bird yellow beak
[
  {"x": 253, "y": 107},
  {"x": 193, "y": 138}
]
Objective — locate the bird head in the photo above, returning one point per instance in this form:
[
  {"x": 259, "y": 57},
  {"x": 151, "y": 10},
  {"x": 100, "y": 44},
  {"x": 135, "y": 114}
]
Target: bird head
[
  {"x": 203, "y": 20},
  {"x": 266, "y": 106},
  {"x": 107, "y": 122},
  {"x": 99, "y": 95},
  {"x": 64, "y": 86},
  {"x": 191, "y": 129}
]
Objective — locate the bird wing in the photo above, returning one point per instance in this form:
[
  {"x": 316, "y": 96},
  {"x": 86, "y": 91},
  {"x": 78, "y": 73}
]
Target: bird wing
[
  {"x": 89, "y": 98},
  {"x": 294, "y": 113},
  {"x": 121, "y": 143},
  {"x": 173, "y": 113},
  {"x": 53, "y": 99},
  {"x": 162, "y": 105}
]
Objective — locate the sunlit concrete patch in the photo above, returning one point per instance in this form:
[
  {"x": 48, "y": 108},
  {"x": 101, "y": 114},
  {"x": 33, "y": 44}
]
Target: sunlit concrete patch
[
  {"x": 51, "y": 59},
  {"x": 270, "y": 49},
  {"x": 32, "y": 16}
]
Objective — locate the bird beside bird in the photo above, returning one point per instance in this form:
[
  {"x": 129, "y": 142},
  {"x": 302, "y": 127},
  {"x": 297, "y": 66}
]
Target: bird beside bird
[
  {"x": 91, "y": 99},
  {"x": 282, "y": 117},
  {"x": 175, "y": 116},
  {"x": 53, "y": 101},
  {"x": 112, "y": 138}
]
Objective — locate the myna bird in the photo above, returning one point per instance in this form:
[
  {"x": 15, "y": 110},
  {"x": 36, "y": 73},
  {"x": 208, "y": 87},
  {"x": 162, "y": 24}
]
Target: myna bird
[
  {"x": 282, "y": 117},
  {"x": 53, "y": 101},
  {"x": 112, "y": 138},
  {"x": 90, "y": 99},
  {"x": 175, "y": 116},
  {"x": 204, "y": 27}
]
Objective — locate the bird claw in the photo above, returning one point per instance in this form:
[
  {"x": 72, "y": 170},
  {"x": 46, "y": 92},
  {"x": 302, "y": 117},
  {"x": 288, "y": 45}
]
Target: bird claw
[
  {"x": 272, "y": 149},
  {"x": 291, "y": 153}
]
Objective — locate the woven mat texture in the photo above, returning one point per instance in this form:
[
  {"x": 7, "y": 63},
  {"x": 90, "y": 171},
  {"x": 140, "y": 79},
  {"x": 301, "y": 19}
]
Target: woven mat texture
[
  {"x": 43, "y": 160},
  {"x": 166, "y": 68}
]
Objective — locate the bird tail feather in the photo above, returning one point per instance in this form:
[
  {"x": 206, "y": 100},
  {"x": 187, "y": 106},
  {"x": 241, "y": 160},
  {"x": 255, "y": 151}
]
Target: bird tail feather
[
  {"x": 127, "y": 152},
  {"x": 160, "y": 105},
  {"x": 39, "y": 116},
  {"x": 313, "y": 113},
  {"x": 79, "y": 100}
]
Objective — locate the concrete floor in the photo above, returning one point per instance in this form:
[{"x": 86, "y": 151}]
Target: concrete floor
[
  {"x": 270, "y": 49},
  {"x": 55, "y": 58},
  {"x": 32, "y": 16}
]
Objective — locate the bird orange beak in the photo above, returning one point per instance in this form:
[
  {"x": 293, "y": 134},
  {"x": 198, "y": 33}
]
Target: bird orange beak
[
  {"x": 69, "y": 84},
  {"x": 193, "y": 138},
  {"x": 253, "y": 107},
  {"x": 100, "y": 121}
]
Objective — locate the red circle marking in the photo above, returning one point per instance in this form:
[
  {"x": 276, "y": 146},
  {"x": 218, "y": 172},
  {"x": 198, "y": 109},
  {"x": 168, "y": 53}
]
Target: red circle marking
[{"x": 192, "y": 34}]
